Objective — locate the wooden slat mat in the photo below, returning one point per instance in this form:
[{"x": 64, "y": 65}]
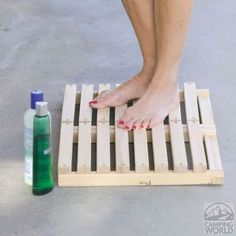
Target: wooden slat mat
[{"x": 183, "y": 151}]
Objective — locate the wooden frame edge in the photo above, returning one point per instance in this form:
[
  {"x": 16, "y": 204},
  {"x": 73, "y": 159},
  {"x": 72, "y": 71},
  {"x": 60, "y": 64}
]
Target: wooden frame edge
[{"x": 149, "y": 179}]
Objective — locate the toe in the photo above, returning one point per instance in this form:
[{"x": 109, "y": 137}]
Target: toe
[
  {"x": 136, "y": 124},
  {"x": 122, "y": 121},
  {"x": 129, "y": 124},
  {"x": 95, "y": 104},
  {"x": 144, "y": 124},
  {"x": 154, "y": 122},
  {"x": 99, "y": 101}
]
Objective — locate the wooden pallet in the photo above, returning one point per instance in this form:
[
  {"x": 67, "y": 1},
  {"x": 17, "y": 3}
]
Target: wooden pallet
[{"x": 93, "y": 151}]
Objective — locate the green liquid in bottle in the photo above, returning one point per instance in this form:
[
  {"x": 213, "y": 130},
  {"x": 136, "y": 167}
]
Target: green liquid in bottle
[{"x": 42, "y": 159}]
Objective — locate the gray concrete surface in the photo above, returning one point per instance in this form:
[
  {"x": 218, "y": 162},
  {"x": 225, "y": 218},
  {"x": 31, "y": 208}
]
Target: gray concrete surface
[{"x": 47, "y": 44}]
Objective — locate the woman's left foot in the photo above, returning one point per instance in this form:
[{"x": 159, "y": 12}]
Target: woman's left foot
[
  {"x": 157, "y": 102},
  {"x": 129, "y": 90}
]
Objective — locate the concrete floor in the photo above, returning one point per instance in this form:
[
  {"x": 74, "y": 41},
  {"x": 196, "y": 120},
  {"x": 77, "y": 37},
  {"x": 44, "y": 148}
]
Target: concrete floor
[{"x": 47, "y": 44}]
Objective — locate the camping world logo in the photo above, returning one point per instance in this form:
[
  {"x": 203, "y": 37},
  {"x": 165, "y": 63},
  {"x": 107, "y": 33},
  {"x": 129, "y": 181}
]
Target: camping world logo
[{"x": 219, "y": 218}]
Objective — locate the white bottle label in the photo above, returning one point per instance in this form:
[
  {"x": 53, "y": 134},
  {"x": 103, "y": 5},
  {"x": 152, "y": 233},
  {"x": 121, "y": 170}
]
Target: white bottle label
[{"x": 28, "y": 154}]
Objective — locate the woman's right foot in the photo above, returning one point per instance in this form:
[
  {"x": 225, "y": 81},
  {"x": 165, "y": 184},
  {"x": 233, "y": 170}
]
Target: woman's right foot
[{"x": 131, "y": 89}]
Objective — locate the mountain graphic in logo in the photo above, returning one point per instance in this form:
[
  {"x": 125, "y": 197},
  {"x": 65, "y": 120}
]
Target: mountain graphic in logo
[{"x": 219, "y": 212}]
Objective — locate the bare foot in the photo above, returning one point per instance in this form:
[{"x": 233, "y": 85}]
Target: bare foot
[
  {"x": 131, "y": 89},
  {"x": 160, "y": 98}
]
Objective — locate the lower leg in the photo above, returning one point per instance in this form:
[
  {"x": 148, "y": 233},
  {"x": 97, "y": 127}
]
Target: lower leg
[
  {"x": 172, "y": 19},
  {"x": 141, "y": 15},
  {"x": 161, "y": 97},
  {"x": 142, "y": 18}
]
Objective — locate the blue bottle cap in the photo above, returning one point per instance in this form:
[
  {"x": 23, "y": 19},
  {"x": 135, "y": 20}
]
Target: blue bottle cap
[{"x": 36, "y": 96}]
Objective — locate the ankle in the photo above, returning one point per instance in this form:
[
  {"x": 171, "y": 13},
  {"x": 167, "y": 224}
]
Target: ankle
[
  {"x": 165, "y": 80},
  {"x": 167, "y": 68},
  {"x": 166, "y": 73},
  {"x": 148, "y": 70}
]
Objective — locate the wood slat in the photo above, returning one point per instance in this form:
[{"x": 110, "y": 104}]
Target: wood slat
[
  {"x": 84, "y": 129},
  {"x": 177, "y": 141},
  {"x": 195, "y": 136},
  {"x": 145, "y": 179},
  {"x": 141, "y": 150},
  {"x": 159, "y": 148},
  {"x": 103, "y": 136},
  {"x": 213, "y": 153},
  {"x": 205, "y": 110},
  {"x": 121, "y": 142},
  {"x": 212, "y": 148},
  {"x": 67, "y": 125}
]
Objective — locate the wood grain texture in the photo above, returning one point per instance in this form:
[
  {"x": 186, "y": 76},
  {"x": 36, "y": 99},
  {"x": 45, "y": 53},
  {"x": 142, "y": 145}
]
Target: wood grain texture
[
  {"x": 103, "y": 136},
  {"x": 195, "y": 136},
  {"x": 67, "y": 129},
  {"x": 121, "y": 142},
  {"x": 141, "y": 150},
  {"x": 177, "y": 141},
  {"x": 159, "y": 148},
  {"x": 143, "y": 179},
  {"x": 84, "y": 129},
  {"x": 212, "y": 148}
]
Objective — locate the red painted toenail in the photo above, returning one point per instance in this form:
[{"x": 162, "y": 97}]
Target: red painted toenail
[
  {"x": 127, "y": 127},
  {"x": 121, "y": 122},
  {"x": 134, "y": 126},
  {"x": 141, "y": 126},
  {"x": 93, "y": 102}
]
